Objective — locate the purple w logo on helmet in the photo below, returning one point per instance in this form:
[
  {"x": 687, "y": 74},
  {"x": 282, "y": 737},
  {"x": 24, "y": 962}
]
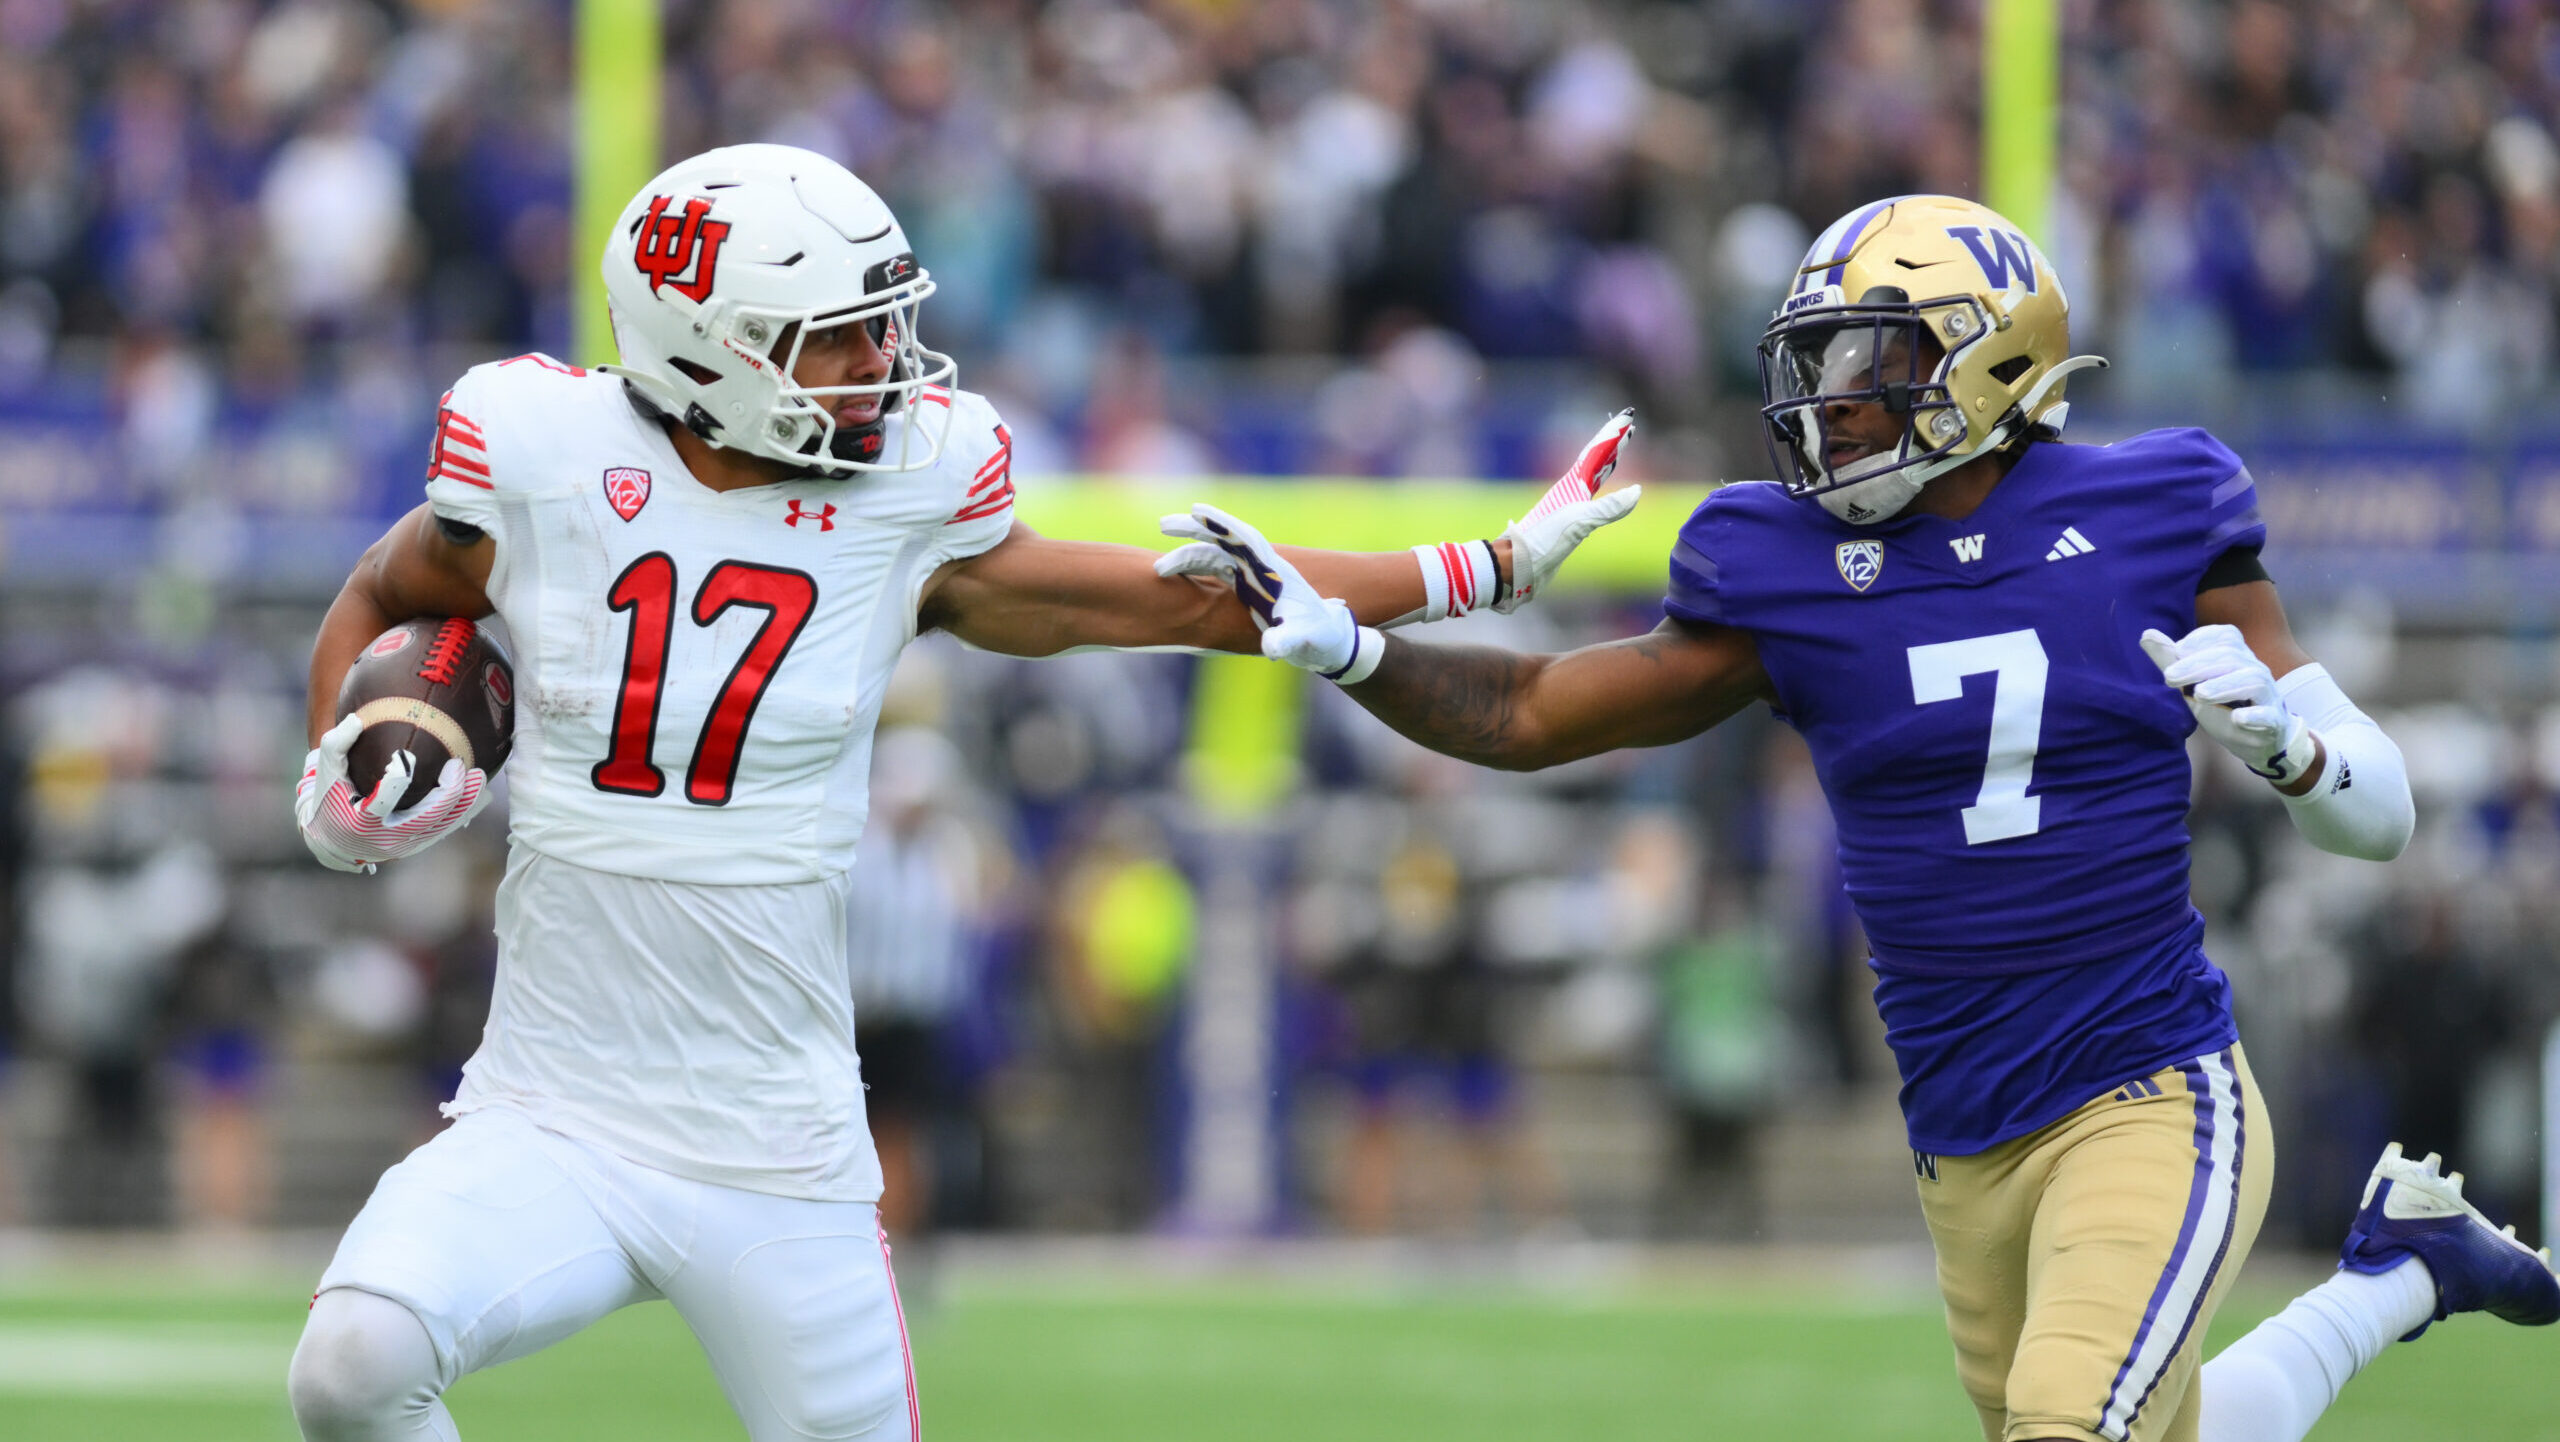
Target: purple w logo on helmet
[{"x": 2000, "y": 252}]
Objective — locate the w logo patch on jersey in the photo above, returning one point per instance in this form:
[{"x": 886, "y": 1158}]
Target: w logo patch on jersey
[
  {"x": 2008, "y": 261},
  {"x": 673, "y": 246},
  {"x": 626, "y": 489},
  {"x": 1860, "y": 562}
]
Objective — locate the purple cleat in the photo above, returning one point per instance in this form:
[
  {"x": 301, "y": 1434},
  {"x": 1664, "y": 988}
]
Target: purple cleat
[{"x": 2411, "y": 1211}]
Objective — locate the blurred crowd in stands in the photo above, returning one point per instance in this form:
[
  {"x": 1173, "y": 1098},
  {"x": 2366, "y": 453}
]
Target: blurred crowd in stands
[
  {"x": 1431, "y": 237},
  {"x": 1414, "y": 217}
]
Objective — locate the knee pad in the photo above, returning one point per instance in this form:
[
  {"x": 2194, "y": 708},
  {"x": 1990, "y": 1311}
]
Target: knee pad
[{"x": 364, "y": 1370}]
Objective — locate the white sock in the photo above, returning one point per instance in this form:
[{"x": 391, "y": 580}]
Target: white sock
[{"x": 2273, "y": 1384}]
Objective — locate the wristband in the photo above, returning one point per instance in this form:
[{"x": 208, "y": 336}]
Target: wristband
[
  {"x": 1457, "y": 577},
  {"x": 1368, "y": 648}
]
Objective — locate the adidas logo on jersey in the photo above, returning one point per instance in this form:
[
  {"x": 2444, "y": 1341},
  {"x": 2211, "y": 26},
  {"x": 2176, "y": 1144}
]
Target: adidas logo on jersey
[
  {"x": 2072, "y": 544},
  {"x": 1967, "y": 548}
]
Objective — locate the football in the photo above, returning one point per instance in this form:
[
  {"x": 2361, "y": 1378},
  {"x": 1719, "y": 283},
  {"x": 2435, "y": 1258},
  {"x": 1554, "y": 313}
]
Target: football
[{"x": 435, "y": 687}]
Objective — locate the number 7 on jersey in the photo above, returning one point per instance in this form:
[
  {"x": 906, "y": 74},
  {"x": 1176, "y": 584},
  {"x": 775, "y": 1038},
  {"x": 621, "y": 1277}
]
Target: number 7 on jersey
[{"x": 2015, "y": 659}]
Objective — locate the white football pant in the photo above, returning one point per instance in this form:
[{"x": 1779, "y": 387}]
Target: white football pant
[{"x": 501, "y": 1238}]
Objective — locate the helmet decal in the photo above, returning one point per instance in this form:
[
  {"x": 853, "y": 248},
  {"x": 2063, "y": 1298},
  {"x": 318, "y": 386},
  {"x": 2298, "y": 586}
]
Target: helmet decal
[
  {"x": 672, "y": 245},
  {"x": 2007, "y": 261}
]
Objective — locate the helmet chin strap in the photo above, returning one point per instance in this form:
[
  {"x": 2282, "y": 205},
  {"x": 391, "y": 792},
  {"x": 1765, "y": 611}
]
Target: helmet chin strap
[{"x": 1873, "y": 502}]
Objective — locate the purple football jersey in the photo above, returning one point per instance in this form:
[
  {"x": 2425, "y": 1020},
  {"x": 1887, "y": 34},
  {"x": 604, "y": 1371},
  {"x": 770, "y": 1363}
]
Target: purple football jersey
[{"x": 2008, "y": 773}]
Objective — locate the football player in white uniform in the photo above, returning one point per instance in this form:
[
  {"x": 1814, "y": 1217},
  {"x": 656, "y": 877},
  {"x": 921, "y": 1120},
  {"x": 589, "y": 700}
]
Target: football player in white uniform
[{"x": 709, "y": 558}]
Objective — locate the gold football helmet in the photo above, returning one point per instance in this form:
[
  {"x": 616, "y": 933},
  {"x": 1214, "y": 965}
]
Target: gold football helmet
[{"x": 1935, "y": 308}]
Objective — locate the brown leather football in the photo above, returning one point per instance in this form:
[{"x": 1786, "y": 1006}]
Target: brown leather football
[{"x": 435, "y": 687}]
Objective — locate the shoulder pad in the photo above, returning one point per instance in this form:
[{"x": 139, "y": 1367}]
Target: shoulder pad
[
  {"x": 2179, "y": 449},
  {"x": 504, "y": 414}
]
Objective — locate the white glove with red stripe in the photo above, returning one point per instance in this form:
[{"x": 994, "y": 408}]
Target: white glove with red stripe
[
  {"x": 1567, "y": 514},
  {"x": 352, "y": 835}
]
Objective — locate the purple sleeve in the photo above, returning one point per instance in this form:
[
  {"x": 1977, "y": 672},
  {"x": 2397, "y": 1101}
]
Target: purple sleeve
[
  {"x": 1695, "y": 594},
  {"x": 2231, "y": 510}
]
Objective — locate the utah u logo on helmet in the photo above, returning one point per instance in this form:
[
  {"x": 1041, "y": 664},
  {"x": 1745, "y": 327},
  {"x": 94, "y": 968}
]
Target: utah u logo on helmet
[{"x": 671, "y": 245}]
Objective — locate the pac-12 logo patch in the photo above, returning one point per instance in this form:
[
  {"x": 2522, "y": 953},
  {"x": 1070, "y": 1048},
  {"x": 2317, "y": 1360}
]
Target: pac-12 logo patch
[
  {"x": 1860, "y": 562},
  {"x": 626, "y": 489}
]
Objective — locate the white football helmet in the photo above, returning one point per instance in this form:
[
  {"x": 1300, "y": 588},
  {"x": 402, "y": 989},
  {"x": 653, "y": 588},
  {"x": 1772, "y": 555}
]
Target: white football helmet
[{"x": 724, "y": 256}]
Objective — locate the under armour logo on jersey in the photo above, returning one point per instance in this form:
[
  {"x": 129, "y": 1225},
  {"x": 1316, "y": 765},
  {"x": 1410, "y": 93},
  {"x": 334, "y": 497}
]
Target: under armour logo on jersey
[
  {"x": 2072, "y": 544},
  {"x": 673, "y": 245},
  {"x": 825, "y": 516},
  {"x": 1968, "y": 548}
]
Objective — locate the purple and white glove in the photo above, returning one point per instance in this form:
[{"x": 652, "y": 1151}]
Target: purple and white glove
[
  {"x": 348, "y": 834},
  {"x": 1311, "y": 632},
  {"x": 2235, "y": 700}
]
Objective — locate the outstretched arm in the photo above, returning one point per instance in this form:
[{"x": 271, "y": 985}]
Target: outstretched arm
[
  {"x": 1030, "y": 595},
  {"x": 1521, "y": 713}
]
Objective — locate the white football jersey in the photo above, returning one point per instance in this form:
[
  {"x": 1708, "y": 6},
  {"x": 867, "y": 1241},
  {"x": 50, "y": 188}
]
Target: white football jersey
[
  {"x": 698, "y": 674},
  {"x": 697, "y": 671}
]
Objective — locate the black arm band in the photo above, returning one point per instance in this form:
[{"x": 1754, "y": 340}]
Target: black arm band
[
  {"x": 460, "y": 533},
  {"x": 2235, "y": 567},
  {"x": 1501, "y": 582}
]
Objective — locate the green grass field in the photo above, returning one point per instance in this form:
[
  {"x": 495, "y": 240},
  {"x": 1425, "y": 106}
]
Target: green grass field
[{"x": 121, "y": 1357}]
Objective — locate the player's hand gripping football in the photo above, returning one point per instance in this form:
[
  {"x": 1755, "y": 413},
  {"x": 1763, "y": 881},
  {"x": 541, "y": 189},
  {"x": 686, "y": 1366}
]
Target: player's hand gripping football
[
  {"x": 1311, "y": 632},
  {"x": 2235, "y": 700},
  {"x": 352, "y": 834},
  {"x": 1568, "y": 513}
]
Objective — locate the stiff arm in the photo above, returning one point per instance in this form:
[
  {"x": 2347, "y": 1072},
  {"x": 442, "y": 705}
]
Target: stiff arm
[
  {"x": 1032, "y": 595},
  {"x": 1524, "y": 712}
]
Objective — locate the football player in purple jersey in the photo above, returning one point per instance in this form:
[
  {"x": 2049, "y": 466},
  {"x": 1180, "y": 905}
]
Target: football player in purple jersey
[{"x": 1996, "y": 645}]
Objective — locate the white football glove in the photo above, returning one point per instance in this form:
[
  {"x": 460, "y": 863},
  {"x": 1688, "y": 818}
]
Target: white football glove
[
  {"x": 1311, "y": 632},
  {"x": 352, "y": 835},
  {"x": 2235, "y": 700},
  {"x": 1567, "y": 514}
]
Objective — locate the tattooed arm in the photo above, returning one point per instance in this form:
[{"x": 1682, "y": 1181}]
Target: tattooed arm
[{"x": 1521, "y": 713}]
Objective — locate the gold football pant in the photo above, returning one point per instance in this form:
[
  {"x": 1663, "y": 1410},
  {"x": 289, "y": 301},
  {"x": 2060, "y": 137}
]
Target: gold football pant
[{"x": 2082, "y": 1263}]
